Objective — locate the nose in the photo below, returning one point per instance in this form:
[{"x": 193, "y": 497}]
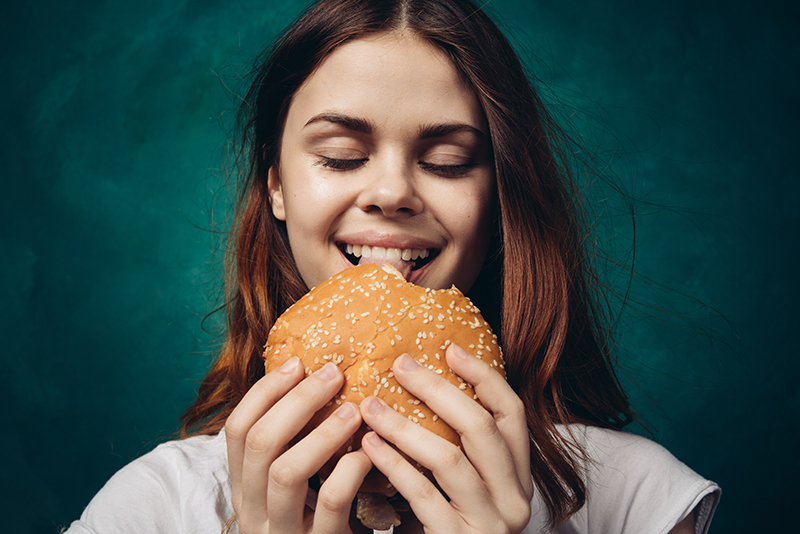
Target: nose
[{"x": 392, "y": 191}]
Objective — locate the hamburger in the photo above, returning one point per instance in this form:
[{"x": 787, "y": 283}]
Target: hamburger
[{"x": 361, "y": 319}]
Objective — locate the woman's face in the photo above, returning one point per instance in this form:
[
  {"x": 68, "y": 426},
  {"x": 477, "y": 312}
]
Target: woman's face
[{"x": 385, "y": 158}]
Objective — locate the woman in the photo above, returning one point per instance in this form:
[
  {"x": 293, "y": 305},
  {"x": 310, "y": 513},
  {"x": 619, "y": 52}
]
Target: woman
[{"x": 410, "y": 125}]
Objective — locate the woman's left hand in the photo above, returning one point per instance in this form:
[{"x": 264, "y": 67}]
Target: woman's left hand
[{"x": 489, "y": 483}]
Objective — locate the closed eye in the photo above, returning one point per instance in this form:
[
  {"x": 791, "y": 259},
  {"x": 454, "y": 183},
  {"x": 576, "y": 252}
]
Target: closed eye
[
  {"x": 341, "y": 164},
  {"x": 452, "y": 171}
]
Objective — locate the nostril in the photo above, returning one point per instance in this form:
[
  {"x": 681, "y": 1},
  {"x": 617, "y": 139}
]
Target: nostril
[{"x": 391, "y": 194}]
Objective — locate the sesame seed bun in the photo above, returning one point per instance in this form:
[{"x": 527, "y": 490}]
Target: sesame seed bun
[{"x": 362, "y": 319}]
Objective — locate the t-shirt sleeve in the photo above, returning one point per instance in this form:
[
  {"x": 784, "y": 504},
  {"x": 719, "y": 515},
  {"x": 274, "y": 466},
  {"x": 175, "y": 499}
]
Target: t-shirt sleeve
[
  {"x": 180, "y": 487},
  {"x": 636, "y": 485},
  {"x": 138, "y": 498}
]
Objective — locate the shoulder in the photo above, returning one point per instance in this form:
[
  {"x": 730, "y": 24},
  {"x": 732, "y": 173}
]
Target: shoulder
[
  {"x": 164, "y": 490},
  {"x": 635, "y": 485}
]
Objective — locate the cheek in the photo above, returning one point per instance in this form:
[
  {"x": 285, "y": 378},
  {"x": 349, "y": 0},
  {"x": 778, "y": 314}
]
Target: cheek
[
  {"x": 467, "y": 211},
  {"x": 311, "y": 200}
]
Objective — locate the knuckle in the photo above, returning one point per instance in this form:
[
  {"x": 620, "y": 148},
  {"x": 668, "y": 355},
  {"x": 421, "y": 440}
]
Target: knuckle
[
  {"x": 438, "y": 385},
  {"x": 285, "y": 475},
  {"x": 257, "y": 443},
  {"x": 451, "y": 457},
  {"x": 516, "y": 408},
  {"x": 513, "y": 412},
  {"x": 332, "y": 501},
  {"x": 426, "y": 491},
  {"x": 234, "y": 430},
  {"x": 518, "y": 513},
  {"x": 484, "y": 424}
]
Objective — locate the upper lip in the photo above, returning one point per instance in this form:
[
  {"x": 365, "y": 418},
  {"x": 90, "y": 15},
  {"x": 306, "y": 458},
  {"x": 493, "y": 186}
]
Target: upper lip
[{"x": 387, "y": 241}]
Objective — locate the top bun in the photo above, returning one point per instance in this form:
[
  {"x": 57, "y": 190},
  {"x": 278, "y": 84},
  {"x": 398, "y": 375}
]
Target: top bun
[{"x": 362, "y": 319}]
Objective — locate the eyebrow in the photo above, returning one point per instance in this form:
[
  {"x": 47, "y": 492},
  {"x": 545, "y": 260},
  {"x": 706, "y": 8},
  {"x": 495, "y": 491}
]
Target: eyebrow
[
  {"x": 431, "y": 131},
  {"x": 428, "y": 131},
  {"x": 351, "y": 123}
]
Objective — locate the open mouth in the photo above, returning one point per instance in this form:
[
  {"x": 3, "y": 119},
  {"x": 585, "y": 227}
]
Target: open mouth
[{"x": 417, "y": 257}]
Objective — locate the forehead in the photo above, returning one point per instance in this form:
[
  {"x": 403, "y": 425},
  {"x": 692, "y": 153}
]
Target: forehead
[{"x": 388, "y": 78}]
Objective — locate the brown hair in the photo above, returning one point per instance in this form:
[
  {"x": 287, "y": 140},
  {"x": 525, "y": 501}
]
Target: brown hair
[{"x": 549, "y": 314}]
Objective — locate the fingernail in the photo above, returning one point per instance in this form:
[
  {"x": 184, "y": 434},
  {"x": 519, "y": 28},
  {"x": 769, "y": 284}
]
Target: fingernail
[
  {"x": 407, "y": 363},
  {"x": 458, "y": 351},
  {"x": 346, "y": 411},
  {"x": 290, "y": 365},
  {"x": 374, "y": 405},
  {"x": 328, "y": 371},
  {"x": 375, "y": 439}
]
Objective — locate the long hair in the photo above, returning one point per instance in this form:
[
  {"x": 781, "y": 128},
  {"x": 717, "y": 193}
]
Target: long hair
[{"x": 548, "y": 315}]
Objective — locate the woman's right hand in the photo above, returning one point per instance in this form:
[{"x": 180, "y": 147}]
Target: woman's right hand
[{"x": 269, "y": 477}]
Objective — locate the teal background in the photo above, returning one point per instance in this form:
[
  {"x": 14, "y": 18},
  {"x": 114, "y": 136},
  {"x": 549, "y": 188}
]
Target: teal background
[{"x": 114, "y": 126}]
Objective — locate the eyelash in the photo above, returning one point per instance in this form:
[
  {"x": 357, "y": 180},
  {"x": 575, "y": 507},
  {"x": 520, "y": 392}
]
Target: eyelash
[
  {"x": 341, "y": 164},
  {"x": 452, "y": 171}
]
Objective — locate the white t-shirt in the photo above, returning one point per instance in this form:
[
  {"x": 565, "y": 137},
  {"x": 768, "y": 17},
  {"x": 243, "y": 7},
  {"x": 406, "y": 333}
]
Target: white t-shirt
[{"x": 634, "y": 487}]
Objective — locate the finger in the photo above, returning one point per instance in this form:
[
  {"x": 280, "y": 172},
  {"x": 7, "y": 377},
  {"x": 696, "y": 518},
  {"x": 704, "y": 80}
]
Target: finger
[
  {"x": 483, "y": 443},
  {"x": 261, "y": 397},
  {"x": 335, "y": 499},
  {"x": 289, "y": 474},
  {"x": 426, "y": 501},
  {"x": 269, "y": 436},
  {"x": 505, "y": 405},
  {"x": 450, "y": 467}
]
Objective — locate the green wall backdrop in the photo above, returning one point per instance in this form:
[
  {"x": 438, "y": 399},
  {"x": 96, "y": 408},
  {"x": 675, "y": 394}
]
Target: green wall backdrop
[{"x": 113, "y": 127}]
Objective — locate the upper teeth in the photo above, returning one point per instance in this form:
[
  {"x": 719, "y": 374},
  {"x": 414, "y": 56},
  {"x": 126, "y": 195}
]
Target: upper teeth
[{"x": 381, "y": 253}]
